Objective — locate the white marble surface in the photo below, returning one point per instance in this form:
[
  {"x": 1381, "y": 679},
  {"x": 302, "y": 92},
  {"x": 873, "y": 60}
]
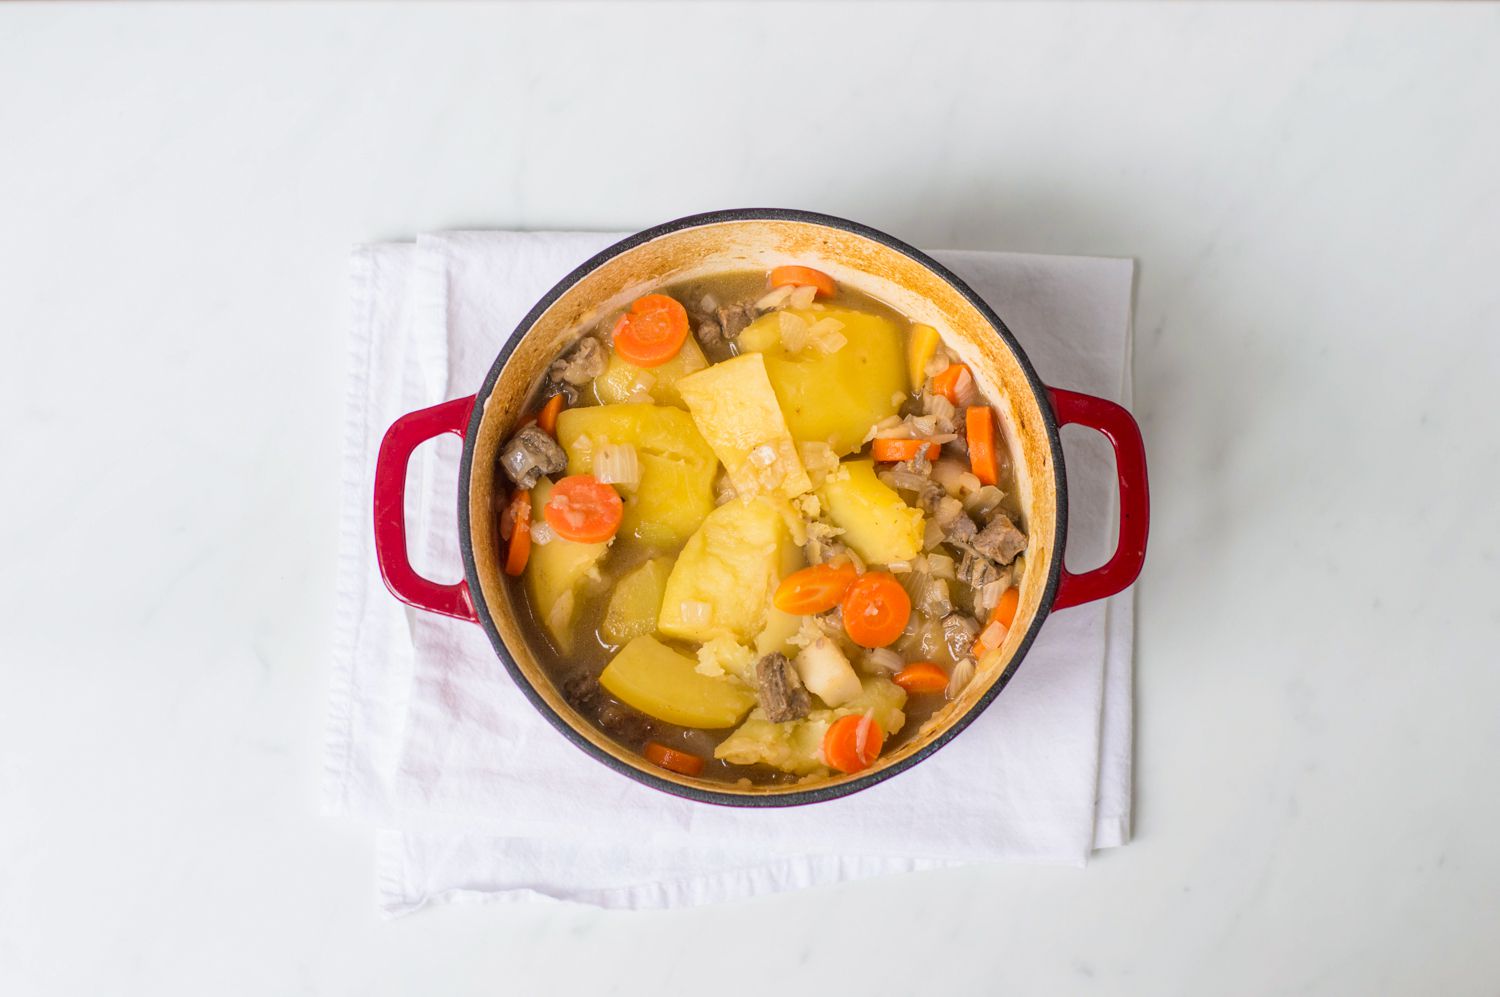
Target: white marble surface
[{"x": 1311, "y": 192}]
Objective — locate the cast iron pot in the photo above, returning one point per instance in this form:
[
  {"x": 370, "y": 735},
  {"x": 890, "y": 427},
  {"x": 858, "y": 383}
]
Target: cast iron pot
[{"x": 758, "y": 239}]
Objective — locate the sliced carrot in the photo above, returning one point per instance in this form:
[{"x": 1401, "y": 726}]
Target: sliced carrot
[
  {"x": 923, "y": 676},
  {"x": 980, "y": 426},
  {"x": 843, "y": 743},
  {"x": 547, "y": 418},
  {"x": 583, "y": 509},
  {"x": 804, "y": 277},
  {"x": 889, "y": 451},
  {"x": 1005, "y": 609},
  {"x": 518, "y": 512},
  {"x": 876, "y": 609},
  {"x": 945, "y": 381},
  {"x": 673, "y": 760},
  {"x": 814, "y": 590},
  {"x": 652, "y": 332}
]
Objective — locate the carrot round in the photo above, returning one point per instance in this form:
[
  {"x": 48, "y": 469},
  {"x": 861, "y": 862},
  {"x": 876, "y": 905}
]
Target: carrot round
[
  {"x": 684, "y": 762},
  {"x": 945, "y": 381},
  {"x": 813, "y": 590},
  {"x": 519, "y": 549},
  {"x": 1005, "y": 609},
  {"x": 876, "y": 609},
  {"x": 583, "y": 509},
  {"x": 980, "y": 426},
  {"x": 546, "y": 420},
  {"x": 804, "y": 277},
  {"x": 923, "y": 676},
  {"x": 843, "y": 743},
  {"x": 652, "y": 332},
  {"x": 888, "y": 451}
]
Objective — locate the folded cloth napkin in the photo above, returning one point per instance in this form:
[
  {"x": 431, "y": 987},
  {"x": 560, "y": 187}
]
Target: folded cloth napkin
[{"x": 479, "y": 798}]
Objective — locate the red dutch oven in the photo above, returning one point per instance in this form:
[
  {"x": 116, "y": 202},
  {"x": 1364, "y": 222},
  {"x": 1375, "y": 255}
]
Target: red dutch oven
[{"x": 1030, "y": 414}]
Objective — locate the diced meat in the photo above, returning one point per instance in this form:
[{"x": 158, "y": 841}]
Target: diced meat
[
  {"x": 617, "y": 719},
  {"x": 580, "y": 365},
  {"x": 734, "y": 318},
  {"x": 1000, "y": 541},
  {"x": 976, "y": 571},
  {"x": 919, "y": 464},
  {"x": 780, "y": 690},
  {"x": 530, "y": 454},
  {"x": 961, "y": 530},
  {"x": 959, "y": 632},
  {"x": 709, "y": 332}
]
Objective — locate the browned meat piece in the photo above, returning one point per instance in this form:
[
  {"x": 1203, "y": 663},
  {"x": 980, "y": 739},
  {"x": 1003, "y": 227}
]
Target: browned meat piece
[
  {"x": 709, "y": 332},
  {"x": 780, "y": 689},
  {"x": 917, "y": 465},
  {"x": 959, "y": 632},
  {"x": 733, "y": 319},
  {"x": 1000, "y": 541},
  {"x": 617, "y": 719},
  {"x": 961, "y": 530},
  {"x": 976, "y": 571},
  {"x": 584, "y": 362},
  {"x": 530, "y": 454}
]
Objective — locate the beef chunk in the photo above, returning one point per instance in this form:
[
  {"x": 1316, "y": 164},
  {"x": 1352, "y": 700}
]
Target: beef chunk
[
  {"x": 580, "y": 365},
  {"x": 961, "y": 530},
  {"x": 1000, "y": 541},
  {"x": 709, "y": 332},
  {"x": 530, "y": 454},
  {"x": 780, "y": 689},
  {"x": 733, "y": 319},
  {"x": 976, "y": 571},
  {"x": 959, "y": 631},
  {"x": 616, "y": 719}
]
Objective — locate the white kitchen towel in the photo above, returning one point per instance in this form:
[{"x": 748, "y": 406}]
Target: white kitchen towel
[{"x": 482, "y": 799}]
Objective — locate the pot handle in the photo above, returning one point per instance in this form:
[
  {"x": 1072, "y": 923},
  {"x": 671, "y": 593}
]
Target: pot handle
[
  {"x": 404, "y": 436},
  {"x": 1135, "y": 504}
]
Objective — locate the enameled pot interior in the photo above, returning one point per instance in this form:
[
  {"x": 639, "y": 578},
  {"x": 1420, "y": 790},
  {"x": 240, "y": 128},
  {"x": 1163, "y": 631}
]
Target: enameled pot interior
[{"x": 853, "y": 258}]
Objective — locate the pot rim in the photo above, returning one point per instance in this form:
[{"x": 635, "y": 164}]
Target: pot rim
[{"x": 813, "y": 794}]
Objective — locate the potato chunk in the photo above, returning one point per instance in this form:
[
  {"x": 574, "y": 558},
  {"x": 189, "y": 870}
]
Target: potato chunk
[
  {"x": 676, "y": 490},
  {"x": 623, "y": 380},
  {"x": 731, "y": 565},
  {"x": 796, "y": 746},
  {"x": 635, "y": 602},
  {"x": 665, "y": 684},
  {"x": 737, "y": 413},
  {"x": 556, "y": 572},
  {"x": 836, "y": 397},
  {"x": 876, "y": 521}
]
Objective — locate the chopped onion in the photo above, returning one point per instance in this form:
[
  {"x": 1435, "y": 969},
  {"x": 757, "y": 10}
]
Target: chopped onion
[
  {"x": 794, "y": 332},
  {"x": 969, "y": 482},
  {"x": 775, "y": 298},
  {"x": 898, "y": 567},
  {"x": 948, "y": 472},
  {"x": 941, "y": 566},
  {"x": 993, "y": 634},
  {"x": 561, "y": 613},
  {"x": 695, "y": 613},
  {"x": 922, "y": 425},
  {"x": 940, "y": 408},
  {"x": 763, "y": 455},
  {"x": 857, "y": 561},
  {"x": 963, "y": 674},
  {"x": 988, "y": 596},
  {"x": 883, "y": 424},
  {"x": 883, "y": 659},
  {"x": 939, "y": 363},
  {"x": 801, "y": 297},
  {"x": 541, "y": 533},
  {"x": 617, "y": 464},
  {"x": 909, "y": 481},
  {"x": 948, "y": 511},
  {"x": 965, "y": 390},
  {"x": 936, "y": 600},
  {"x": 709, "y": 303},
  {"x": 862, "y": 734},
  {"x": 983, "y": 501},
  {"x": 932, "y": 536}
]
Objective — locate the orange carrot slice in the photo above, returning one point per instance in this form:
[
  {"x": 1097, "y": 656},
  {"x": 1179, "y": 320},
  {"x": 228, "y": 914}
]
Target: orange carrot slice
[
  {"x": 804, "y": 277},
  {"x": 583, "y": 509}
]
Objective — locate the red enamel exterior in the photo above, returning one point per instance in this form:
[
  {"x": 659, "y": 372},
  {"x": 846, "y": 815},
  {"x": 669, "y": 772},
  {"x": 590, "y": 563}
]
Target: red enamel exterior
[
  {"x": 1124, "y": 435},
  {"x": 405, "y": 435}
]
